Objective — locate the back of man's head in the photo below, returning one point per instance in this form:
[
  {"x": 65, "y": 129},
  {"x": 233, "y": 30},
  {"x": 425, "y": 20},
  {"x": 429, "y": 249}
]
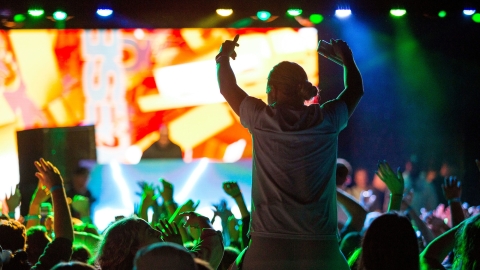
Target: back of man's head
[
  {"x": 164, "y": 255},
  {"x": 12, "y": 235}
]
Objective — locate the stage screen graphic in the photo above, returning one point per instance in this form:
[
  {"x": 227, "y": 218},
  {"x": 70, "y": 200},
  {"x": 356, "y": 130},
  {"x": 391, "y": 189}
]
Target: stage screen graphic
[{"x": 127, "y": 82}]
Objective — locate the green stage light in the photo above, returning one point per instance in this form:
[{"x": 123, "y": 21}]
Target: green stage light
[
  {"x": 263, "y": 15},
  {"x": 442, "y": 14},
  {"x": 19, "y": 18},
  {"x": 59, "y": 15},
  {"x": 36, "y": 12},
  {"x": 294, "y": 12},
  {"x": 316, "y": 18},
  {"x": 398, "y": 12},
  {"x": 476, "y": 17}
]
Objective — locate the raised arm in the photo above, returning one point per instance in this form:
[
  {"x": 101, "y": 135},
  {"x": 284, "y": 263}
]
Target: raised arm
[
  {"x": 49, "y": 175},
  {"x": 395, "y": 184},
  {"x": 353, "y": 91},
  {"x": 225, "y": 76},
  {"x": 59, "y": 249},
  {"x": 452, "y": 190},
  {"x": 356, "y": 213}
]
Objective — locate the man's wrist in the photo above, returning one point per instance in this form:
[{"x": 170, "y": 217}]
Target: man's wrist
[{"x": 455, "y": 199}]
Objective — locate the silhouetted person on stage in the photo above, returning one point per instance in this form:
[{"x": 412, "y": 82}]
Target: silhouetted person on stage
[{"x": 163, "y": 148}]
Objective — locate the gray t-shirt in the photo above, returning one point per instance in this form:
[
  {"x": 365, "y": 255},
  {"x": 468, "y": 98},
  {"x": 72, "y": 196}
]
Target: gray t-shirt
[{"x": 294, "y": 162}]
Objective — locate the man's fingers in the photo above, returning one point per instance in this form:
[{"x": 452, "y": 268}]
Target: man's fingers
[{"x": 235, "y": 39}]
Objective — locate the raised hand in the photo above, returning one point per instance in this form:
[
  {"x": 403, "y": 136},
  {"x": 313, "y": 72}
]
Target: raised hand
[
  {"x": 48, "y": 174},
  {"x": 232, "y": 189},
  {"x": 196, "y": 220},
  {"x": 170, "y": 231},
  {"x": 167, "y": 192},
  {"x": 394, "y": 182},
  {"x": 228, "y": 48},
  {"x": 452, "y": 188},
  {"x": 221, "y": 210},
  {"x": 341, "y": 48},
  {"x": 13, "y": 201}
]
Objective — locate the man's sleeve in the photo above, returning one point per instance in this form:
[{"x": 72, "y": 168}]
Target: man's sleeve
[
  {"x": 337, "y": 111},
  {"x": 249, "y": 109},
  {"x": 59, "y": 250}
]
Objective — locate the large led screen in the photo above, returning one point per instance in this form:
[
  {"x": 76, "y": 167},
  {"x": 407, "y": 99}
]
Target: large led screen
[{"x": 127, "y": 82}]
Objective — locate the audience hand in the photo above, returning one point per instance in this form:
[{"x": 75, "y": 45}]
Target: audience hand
[
  {"x": 13, "y": 201},
  {"x": 221, "y": 210},
  {"x": 196, "y": 220},
  {"x": 395, "y": 183},
  {"x": 148, "y": 193},
  {"x": 341, "y": 48},
  {"x": 228, "y": 48},
  {"x": 40, "y": 195},
  {"x": 232, "y": 189},
  {"x": 48, "y": 174},
  {"x": 167, "y": 192},
  {"x": 170, "y": 232},
  {"x": 452, "y": 188}
]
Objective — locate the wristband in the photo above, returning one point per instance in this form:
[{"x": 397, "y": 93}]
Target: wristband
[
  {"x": 394, "y": 195},
  {"x": 11, "y": 214},
  {"x": 454, "y": 200}
]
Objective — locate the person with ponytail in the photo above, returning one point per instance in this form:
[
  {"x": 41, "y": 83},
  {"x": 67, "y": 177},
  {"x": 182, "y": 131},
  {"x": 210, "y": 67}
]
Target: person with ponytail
[{"x": 293, "y": 212}]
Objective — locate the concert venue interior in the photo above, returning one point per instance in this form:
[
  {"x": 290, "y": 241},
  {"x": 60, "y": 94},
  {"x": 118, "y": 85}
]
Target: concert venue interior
[{"x": 90, "y": 82}]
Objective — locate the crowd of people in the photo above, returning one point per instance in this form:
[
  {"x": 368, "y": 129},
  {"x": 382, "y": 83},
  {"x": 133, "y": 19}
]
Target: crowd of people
[{"x": 309, "y": 209}]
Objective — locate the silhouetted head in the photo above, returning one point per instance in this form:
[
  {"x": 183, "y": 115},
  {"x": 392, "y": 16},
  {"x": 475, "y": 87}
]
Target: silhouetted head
[
  {"x": 12, "y": 235},
  {"x": 288, "y": 84},
  {"x": 467, "y": 246},
  {"x": 37, "y": 240},
  {"x": 121, "y": 242},
  {"x": 164, "y": 255},
  {"x": 389, "y": 243}
]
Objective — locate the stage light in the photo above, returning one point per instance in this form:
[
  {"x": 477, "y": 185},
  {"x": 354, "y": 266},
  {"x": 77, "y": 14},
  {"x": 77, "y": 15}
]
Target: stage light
[
  {"x": 59, "y": 15},
  {"x": 19, "y": 18},
  {"x": 398, "y": 12},
  {"x": 343, "y": 13},
  {"x": 104, "y": 12},
  {"x": 294, "y": 12},
  {"x": 263, "y": 15},
  {"x": 469, "y": 12},
  {"x": 224, "y": 12},
  {"x": 36, "y": 12},
  {"x": 442, "y": 14},
  {"x": 316, "y": 18},
  {"x": 476, "y": 17}
]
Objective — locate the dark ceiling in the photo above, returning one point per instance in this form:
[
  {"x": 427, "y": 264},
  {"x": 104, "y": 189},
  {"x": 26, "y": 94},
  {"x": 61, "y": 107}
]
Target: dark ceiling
[{"x": 195, "y": 13}]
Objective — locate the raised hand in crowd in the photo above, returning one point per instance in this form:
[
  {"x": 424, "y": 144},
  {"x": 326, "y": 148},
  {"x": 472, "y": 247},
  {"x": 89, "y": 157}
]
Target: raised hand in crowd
[
  {"x": 13, "y": 201},
  {"x": 170, "y": 232},
  {"x": 147, "y": 199},
  {"x": 452, "y": 190},
  {"x": 61, "y": 248},
  {"x": 210, "y": 247},
  {"x": 394, "y": 182},
  {"x": 232, "y": 189},
  {"x": 167, "y": 196}
]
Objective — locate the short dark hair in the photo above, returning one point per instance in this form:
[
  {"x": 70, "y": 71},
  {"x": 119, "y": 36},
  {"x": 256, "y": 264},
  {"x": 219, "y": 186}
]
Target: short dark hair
[{"x": 12, "y": 235}]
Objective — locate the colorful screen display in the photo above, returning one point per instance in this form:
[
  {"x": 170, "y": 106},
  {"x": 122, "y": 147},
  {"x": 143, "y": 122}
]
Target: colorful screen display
[{"x": 127, "y": 82}]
